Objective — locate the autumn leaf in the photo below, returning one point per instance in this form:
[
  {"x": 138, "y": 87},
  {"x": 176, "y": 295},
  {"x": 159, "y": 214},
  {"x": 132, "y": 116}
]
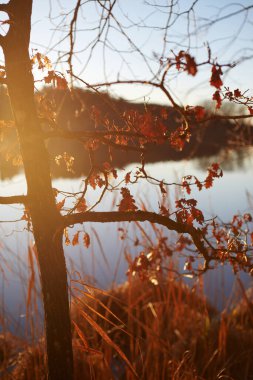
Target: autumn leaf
[
  {"x": 127, "y": 202},
  {"x": 214, "y": 171},
  {"x": 152, "y": 127},
  {"x": 26, "y": 216},
  {"x": 186, "y": 186},
  {"x": 60, "y": 204},
  {"x": 50, "y": 77},
  {"x": 81, "y": 205},
  {"x": 66, "y": 235},
  {"x": 217, "y": 98},
  {"x": 61, "y": 83},
  {"x": 237, "y": 93},
  {"x": 186, "y": 62},
  {"x": 250, "y": 110},
  {"x": 215, "y": 77},
  {"x": 198, "y": 184},
  {"x": 86, "y": 240},
  {"x": 56, "y": 79},
  {"x": 127, "y": 177},
  {"x": 95, "y": 180},
  {"x": 179, "y": 137},
  {"x": 191, "y": 66},
  {"x": 75, "y": 240},
  {"x": 162, "y": 188}
]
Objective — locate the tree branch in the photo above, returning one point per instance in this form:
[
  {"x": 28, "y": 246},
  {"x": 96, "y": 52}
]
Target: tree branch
[
  {"x": 4, "y": 8},
  {"x": 14, "y": 199},
  {"x": 141, "y": 216}
]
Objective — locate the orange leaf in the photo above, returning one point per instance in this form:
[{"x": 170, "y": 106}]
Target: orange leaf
[
  {"x": 86, "y": 240},
  {"x": 60, "y": 204},
  {"x": 66, "y": 234},
  {"x": 127, "y": 202},
  {"x": 81, "y": 205},
  {"x": 75, "y": 240}
]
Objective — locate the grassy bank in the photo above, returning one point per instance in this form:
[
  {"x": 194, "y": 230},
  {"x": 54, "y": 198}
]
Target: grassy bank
[{"x": 145, "y": 331}]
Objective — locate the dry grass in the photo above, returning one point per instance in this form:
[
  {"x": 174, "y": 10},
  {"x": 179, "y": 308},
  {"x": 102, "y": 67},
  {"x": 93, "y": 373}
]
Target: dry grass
[{"x": 165, "y": 331}]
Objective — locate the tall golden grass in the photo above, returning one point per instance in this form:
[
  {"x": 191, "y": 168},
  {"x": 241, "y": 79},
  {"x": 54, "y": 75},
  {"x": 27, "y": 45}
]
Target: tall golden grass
[{"x": 146, "y": 331}]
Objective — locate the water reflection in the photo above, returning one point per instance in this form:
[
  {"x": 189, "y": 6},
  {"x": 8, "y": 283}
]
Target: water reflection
[{"x": 104, "y": 261}]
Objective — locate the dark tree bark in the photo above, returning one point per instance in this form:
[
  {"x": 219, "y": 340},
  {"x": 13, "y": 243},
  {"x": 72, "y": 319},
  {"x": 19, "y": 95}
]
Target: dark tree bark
[{"x": 46, "y": 219}]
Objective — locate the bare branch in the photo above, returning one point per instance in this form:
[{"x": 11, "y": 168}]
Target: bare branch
[{"x": 71, "y": 36}]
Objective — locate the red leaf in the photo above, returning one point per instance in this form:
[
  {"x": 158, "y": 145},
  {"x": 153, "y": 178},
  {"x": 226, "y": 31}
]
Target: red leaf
[
  {"x": 191, "y": 66},
  {"x": 250, "y": 110},
  {"x": 127, "y": 177},
  {"x": 186, "y": 186},
  {"x": 152, "y": 127},
  {"x": 198, "y": 184},
  {"x": 187, "y": 62},
  {"x": 215, "y": 77},
  {"x": 237, "y": 93},
  {"x": 217, "y": 98},
  {"x": 127, "y": 203}
]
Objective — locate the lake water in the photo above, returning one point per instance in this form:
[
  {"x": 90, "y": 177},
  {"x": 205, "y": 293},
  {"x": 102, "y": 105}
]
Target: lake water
[{"x": 103, "y": 263}]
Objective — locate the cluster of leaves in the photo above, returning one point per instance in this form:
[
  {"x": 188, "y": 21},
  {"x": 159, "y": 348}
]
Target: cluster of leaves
[
  {"x": 151, "y": 126},
  {"x": 187, "y": 211},
  {"x": 127, "y": 202},
  {"x": 134, "y": 129},
  {"x": 149, "y": 265},
  {"x": 238, "y": 97},
  {"x": 76, "y": 238},
  {"x": 185, "y": 62},
  {"x": 214, "y": 171},
  {"x": 66, "y": 159},
  {"x": 56, "y": 78},
  {"x": 234, "y": 242},
  {"x": 180, "y": 136}
]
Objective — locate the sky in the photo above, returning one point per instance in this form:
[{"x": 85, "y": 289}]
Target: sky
[{"x": 144, "y": 23}]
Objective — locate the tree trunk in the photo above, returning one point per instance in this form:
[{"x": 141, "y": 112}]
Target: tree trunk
[{"x": 46, "y": 220}]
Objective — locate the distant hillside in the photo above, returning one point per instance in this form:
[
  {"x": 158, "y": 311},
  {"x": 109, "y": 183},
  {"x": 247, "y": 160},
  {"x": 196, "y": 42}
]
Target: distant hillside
[{"x": 73, "y": 112}]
